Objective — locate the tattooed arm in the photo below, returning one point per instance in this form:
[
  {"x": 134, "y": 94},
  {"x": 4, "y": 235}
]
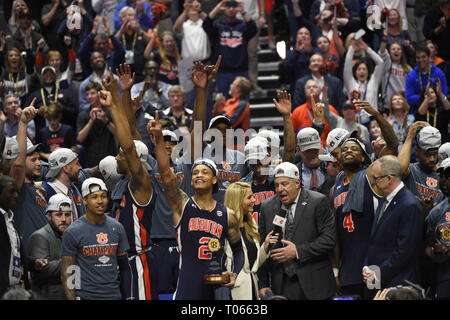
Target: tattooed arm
[{"x": 175, "y": 197}]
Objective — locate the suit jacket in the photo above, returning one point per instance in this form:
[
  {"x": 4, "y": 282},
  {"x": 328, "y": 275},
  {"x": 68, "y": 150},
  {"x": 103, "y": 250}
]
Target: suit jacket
[
  {"x": 314, "y": 234},
  {"x": 46, "y": 244},
  {"x": 395, "y": 243},
  {"x": 243, "y": 287},
  {"x": 335, "y": 91}
]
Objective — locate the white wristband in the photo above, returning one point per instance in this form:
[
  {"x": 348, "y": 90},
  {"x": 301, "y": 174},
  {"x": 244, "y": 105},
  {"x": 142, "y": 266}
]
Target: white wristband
[{"x": 336, "y": 272}]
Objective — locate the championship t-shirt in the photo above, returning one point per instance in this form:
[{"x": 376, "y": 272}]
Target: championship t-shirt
[
  {"x": 424, "y": 184},
  {"x": 95, "y": 247}
]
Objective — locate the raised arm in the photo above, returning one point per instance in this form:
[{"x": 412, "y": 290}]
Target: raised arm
[
  {"x": 175, "y": 197},
  {"x": 201, "y": 77},
  {"x": 405, "y": 153},
  {"x": 348, "y": 74},
  {"x": 126, "y": 78},
  {"x": 391, "y": 139},
  {"x": 284, "y": 107},
  {"x": 151, "y": 44},
  {"x": 18, "y": 166},
  {"x": 140, "y": 184}
]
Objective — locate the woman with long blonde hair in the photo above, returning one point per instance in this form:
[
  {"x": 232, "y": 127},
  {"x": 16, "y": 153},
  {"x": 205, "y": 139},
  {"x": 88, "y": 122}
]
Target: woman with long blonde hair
[{"x": 239, "y": 197}]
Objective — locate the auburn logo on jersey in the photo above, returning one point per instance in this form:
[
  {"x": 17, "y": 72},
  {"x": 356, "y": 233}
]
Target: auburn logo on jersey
[
  {"x": 431, "y": 182},
  {"x": 102, "y": 238}
]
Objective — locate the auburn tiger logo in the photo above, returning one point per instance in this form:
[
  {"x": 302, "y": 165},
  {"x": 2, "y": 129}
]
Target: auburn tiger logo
[
  {"x": 102, "y": 238},
  {"x": 447, "y": 216},
  {"x": 226, "y": 166},
  {"x": 431, "y": 182}
]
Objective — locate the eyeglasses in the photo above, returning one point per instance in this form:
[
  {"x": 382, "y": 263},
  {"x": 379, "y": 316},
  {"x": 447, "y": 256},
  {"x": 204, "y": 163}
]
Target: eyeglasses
[{"x": 376, "y": 179}]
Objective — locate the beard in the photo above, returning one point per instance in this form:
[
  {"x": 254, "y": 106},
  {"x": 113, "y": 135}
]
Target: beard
[{"x": 352, "y": 166}]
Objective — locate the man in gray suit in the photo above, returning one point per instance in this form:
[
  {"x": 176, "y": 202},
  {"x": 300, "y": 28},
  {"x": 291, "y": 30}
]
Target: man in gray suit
[
  {"x": 45, "y": 243},
  {"x": 301, "y": 268}
]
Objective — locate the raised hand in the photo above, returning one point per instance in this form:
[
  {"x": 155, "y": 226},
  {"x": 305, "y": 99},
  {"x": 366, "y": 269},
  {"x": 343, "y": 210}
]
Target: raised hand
[
  {"x": 125, "y": 76},
  {"x": 415, "y": 127},
  {"x": 201, "y": 74},
  {"x": 154, "y": 127},
  {"x": 319, "y": 113},
  {"x": 366, "y": 106},
  {"x": 106, "y": 98},
  {"x": 136, "y": 101},
  {"x": 284, "y": 104},
  {"x": 29, "y": 112},
  {"x": 106, "y": 27},
  {"x": 108, "y": 81}
]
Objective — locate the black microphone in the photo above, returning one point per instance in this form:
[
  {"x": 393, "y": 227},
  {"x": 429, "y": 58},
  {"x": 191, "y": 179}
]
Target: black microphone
[{"x": 278, "y": 223}]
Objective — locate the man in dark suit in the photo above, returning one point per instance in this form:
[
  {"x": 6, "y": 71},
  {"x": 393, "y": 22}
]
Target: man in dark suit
[
  {"x": 395, "y": 241},
  {"x": 301, "y": 269},
  {"x": 335, "y": 89},
  {"x": 45, "y": 243}
]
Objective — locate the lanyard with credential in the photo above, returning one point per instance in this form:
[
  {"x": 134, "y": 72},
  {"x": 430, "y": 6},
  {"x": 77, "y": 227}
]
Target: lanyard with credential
[
  {"x": 55, "y": 98},
  {"x": 124, "y": 41}
]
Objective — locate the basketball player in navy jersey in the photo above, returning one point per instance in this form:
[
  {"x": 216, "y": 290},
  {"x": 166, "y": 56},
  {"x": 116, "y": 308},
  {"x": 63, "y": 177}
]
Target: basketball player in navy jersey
[
  {"x": 354, "y": 218},
  {"x": 137, "y": 203},
  {"x": 197, "y": 220}
]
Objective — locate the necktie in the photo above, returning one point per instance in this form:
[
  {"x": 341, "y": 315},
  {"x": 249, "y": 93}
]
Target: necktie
[
  {"x": 74, "y": 205},
  {"x": 289, "y": 266},
  {"x": 382, "y": 203},
  {"x": 313, "y": 184}
]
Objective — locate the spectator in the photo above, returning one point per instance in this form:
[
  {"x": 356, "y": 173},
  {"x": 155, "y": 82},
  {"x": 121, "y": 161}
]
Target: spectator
[
  {"x": 237, "y": 109},
  {"x": 231, "y": 37},
  {"x": 434, "y": 59},
  {"x": 240, "y": 198},
  {"x": 143, "y": 13},
  {"x": 298, "y": 58},
  {"x": 52, "y": 14},
  {"x": 134, "y": 40},
  {"x": 324, "y": 45},
  {"x": 98, "y": 64},
  {"x": 63, "y": 173},
  {"x": 17, "y": 73},
  {"x": 155, "y": 92},
  {"x": 95, "y": 130},
  {"x": 395, "y": 69},
  {"x": 302, "y": 116},
  {"x": 98, "y": 232},
  {"x": 348, "y": 121},
  {"x": 167, "y": 57},
  {"x": 13, "y": 23},
  {"x": 50, "y": 92},
  {"x": 178, "y": 112},
  {"x": 45, "y": 243},
  {"x": 56, "y": 135},
  {"x": 12, "y": 113},
  {"x": 423, "y": 74},
  {"x": 398, "y": 117},
  {"x": 395, "y": 32},
  {"x": 100, "y": 42},
  {"x": 360, "y": 77},
  {"x": 437, "y": 29},
  {"x": 25, "y": 38},
  {"x": 294, "y": 268},
  {"x": 194, "y": 40},
  {"x": 319, "y": 73},
  {"x": 435, "y": 110},
  {"x": 63, "y": 77}
]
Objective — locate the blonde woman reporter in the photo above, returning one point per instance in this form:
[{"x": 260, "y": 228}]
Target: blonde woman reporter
[{"x": 239, "y": 197}]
